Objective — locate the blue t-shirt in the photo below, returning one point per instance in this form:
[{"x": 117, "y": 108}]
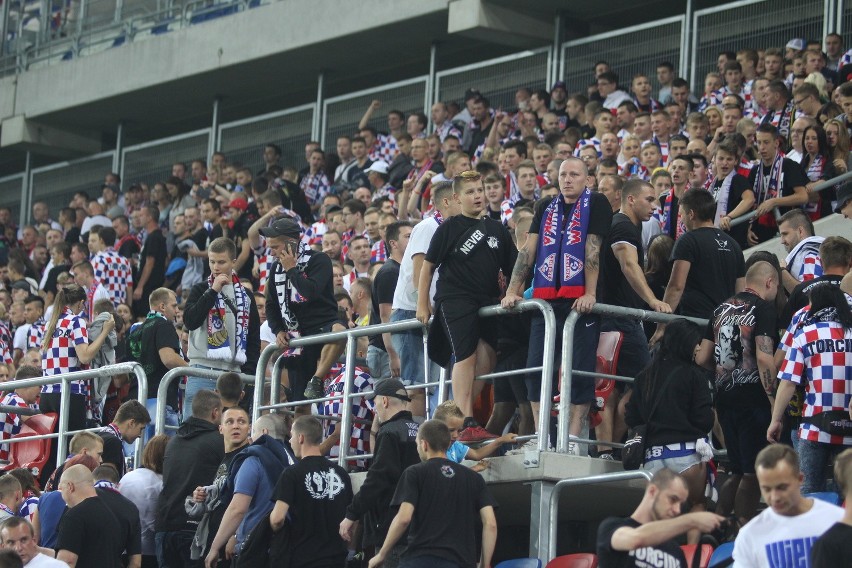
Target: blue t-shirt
[
  {"x": 457, "y": 451},
  {"x": 251, "y": 480}
]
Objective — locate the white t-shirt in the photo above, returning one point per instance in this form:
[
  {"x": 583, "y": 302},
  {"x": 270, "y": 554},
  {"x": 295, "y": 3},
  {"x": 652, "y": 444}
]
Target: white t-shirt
[
  {"x": 143, "y": 486},
  {"x": 20, "y": 339},
  {"x": 771, "y": 540},
  {"x": 90, "y": 222},
  {"x": 43, "y": 561},
  {"x": 405, "y": 296}
]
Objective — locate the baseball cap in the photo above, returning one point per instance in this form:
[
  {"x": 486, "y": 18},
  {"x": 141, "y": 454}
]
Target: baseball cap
[
  {"x": 282, "y": 228},
  {"x": 379, "y": 166},
  {"x": 238, "y": 203},
  {"x": 471, "y": 94},
  {"x": 21, "y": 285},
  {"x": 844, "y": 194},
  {"x": 796, "y": 43},
  {"x": 389, "y": 387},
  {"x": 559, "y": 85}
]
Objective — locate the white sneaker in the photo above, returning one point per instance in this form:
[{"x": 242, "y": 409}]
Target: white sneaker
[{"x": 573, "y": 447}]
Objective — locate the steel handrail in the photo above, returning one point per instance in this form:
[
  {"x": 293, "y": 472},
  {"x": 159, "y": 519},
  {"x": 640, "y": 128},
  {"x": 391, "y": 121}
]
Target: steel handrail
[
  {"x": 817, "y": 188},
  {"x": 562, "y": 438},
  {"x": 553, "y": 513},
  {"x": 65, "y": 398},
  {"x": 171, "y": 375}
]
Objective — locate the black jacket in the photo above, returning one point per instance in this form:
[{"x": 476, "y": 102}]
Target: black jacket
[
  {"x": 396, "y": 449},
  {"x": 315, "y": 285},
  {"x": 685, "y": 412},
  {"x": 192, "y": 459}
]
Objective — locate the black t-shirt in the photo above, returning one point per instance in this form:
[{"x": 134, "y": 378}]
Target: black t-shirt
[
  {"x": 734, "y": 328},
  {"x": 317, "y": 492},
  {"x": 92, "y": 532},
  {"x": 666, "y": 554},
  {"x": 739, "y": 184},
  {"x": 834, "y": 545},
  {"x": 128, "y": 247},
  {"x": 614, "y": 287},
  {"x": 152, "y": 335},
  {"x": 447, "y": 498},
  {"x": 469, "y": 253},
  {"x": 384, "y": 286},
  {"x": 72, "y": 235},
  {"x": 154, "y": 250},
  {"x": 799, "y": 296},
  {"x": 792, "y": 176},
  {"x": 113, "y": 452},
  {"x": 128, "y": 518},
  {"x": 716, "y": 261}
]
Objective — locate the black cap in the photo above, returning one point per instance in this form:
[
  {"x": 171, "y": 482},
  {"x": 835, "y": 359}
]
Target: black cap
[
  {"x": 844, "y": 194},
  {"x": 284, "y": 227},
  {"x": 21, "y": 285},
  {"x": 389, "y": 387}
]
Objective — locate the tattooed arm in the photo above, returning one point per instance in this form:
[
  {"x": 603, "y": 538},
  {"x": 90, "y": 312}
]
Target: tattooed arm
[
  {"x": 766, "y": 363},
  {"x": 521, "y": 271},
  {"x": 586, "y": 302}
]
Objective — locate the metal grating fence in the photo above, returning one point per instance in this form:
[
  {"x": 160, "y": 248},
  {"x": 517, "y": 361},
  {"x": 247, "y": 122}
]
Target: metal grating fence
[
  {"x": 630, "y": 51},
  {"x": 243, "y": 141},
  {"x": 57, "y": 183},
  {"x": 757, "y": 24},
  {"x": 342, "y": 114},
  {"x": 497, "y": 79},
  {"x": 151, "y": 162},
  {"x": 10, "y": 194},
  {"x": 844, "y": 21}
]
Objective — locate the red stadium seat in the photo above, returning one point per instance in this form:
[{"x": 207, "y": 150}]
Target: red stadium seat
[
  {"x": 689, "y": 550},
  {"x": 33, "y": 454},
  {"x": 580, "y": 560},
  {"x": 609, "y": 348}
]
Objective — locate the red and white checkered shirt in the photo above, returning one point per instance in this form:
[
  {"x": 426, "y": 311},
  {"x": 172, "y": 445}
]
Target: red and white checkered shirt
[
  {"x": 821, "y": 354},
  {"x": 315, "y": 187},
  {"x": 313, "y": 236},
  {"x": 385, "y": 148},
  {"x": 36, "y": 333},
  {"x": 5, "y": 343},
  {"x": 60, "y": 357},
  {"x": 594, "y": 141},
  {"x": 114, "y": 272},
  {"x": 264, "y": 263},
  {"x": 362, "y": 409},
  {"x": 447, "y": 129},
  {"x": 378, "y": 252},
  {"x": 11, "y": 422}
]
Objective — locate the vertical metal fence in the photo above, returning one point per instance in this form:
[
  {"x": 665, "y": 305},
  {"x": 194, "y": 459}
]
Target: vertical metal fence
[
  {"x": 757, "y": 24},
  {"x": 629, "y": 51},
  {"x": 843, "y": 21},
  {"x": 498, "y": 79},
  {"x": 242, "y": 141},
  {"x": 10, "y": 193},
  {"x": 340, "y": 115},
  {"x": 151, "y": 162},
  {"x": 57, "y": 183}
]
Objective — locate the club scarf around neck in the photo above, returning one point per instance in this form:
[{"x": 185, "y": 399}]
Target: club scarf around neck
[
  {"x": 561, "y": 254},
  {"x": 722, "y": 195},
  {"x": 219, "y": 345},
  {"x": 768, "y": 187},
  {"x": 286, "y": 291},
  {"x": 671, "y": 217}
]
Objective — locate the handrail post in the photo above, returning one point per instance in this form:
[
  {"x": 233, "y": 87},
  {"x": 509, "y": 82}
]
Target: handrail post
[
  {"x": 546, "y": 372},
  {"x": 64, "y": 406},
  {"x": 442, "y": 385},
  {"x": 275, "y": 380},
  {"x": 162, "y": 391},
  {"x": 346, "y": 411},
  {"x": 142, "y": 394},
  {"x": 426, "y": 368},
  {"x": 260, "y": 378},
  {"x": 565, "y": 384}
]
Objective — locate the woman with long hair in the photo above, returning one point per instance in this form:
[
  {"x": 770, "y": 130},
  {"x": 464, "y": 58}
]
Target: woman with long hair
[
  {"x": 818, "y": 166},
  {"x": 673, "y": 398},
  {"x": 66, "y": 349},
  {"x": 839, "y": 145},
  {"x": 179, "y": 197},
  {"x": 143, "y": 486}
]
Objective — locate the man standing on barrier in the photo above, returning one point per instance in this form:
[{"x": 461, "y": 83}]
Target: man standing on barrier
[
  {"x": 564, "y": 247},
  {"x": 300, "y": 302}
]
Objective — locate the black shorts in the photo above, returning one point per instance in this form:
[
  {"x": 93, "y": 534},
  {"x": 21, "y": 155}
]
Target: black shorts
[
  {"x": 457, "y": 330},
  {"x": 745, "y": 434},
  {"x": 512, "y": 388}
]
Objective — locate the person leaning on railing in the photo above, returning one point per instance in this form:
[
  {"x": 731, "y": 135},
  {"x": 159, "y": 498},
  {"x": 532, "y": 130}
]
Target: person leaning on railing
[{"x": 67, "y": 349}]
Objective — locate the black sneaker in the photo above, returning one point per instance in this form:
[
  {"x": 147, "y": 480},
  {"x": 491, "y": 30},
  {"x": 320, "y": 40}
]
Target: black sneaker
[{"x": 314, "y": 389}]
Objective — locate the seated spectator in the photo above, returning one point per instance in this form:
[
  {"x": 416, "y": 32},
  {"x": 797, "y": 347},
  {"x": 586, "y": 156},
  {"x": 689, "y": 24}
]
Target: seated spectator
[
  {"x": 24, "y": 397},
  {"x": 451, "y": 415}
]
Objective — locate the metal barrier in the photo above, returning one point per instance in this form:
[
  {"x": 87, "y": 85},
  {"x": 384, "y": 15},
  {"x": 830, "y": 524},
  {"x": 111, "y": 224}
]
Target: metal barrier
[
  {"x": 58, "y": 182},
  {"x": 162, "y": 391},
  {"x": 750, "y": 23},
  {"x": 632, "y": 50},
  {"x": 350, "y": 335},
  {"x": 568, "y": 372},
  {"x": 553, "y": 512},
  {"x": 817, "y": 188},
  {"x": 11, "y": 193},
  {"x": 65, "y": 400},
  {"x": 151, "y": 162}
]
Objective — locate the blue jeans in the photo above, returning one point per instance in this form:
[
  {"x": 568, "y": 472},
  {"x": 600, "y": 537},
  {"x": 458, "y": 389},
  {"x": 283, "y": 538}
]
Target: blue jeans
[
  {"x": 814, "y": 460},
  {"x": 193, "y": 386},
  {"x": 379, "y": 362},
  {"x": 409, "y": 346}
]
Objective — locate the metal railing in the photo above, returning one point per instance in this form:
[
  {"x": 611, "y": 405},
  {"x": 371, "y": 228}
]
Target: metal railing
[
  {"x": 350, "y": 335},
  {"x": 553, "y": 512},
  {"x": 817, "y": 188},
  {"x": 65, "y": 400},
  {"x": 172, "y": 374},
  {"x": 568, "y": 372}
]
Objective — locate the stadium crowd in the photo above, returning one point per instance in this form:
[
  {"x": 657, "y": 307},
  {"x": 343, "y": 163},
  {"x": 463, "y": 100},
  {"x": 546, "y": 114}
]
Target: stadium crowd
[{"x": 612, "y": 196}]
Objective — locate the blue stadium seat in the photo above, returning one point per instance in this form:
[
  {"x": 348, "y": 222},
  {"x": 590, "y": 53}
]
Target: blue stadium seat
[
  {"x": 826, "y": 496},
  {"x": 520, "y": 563},
  {"x": 723, "y": 552}
]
